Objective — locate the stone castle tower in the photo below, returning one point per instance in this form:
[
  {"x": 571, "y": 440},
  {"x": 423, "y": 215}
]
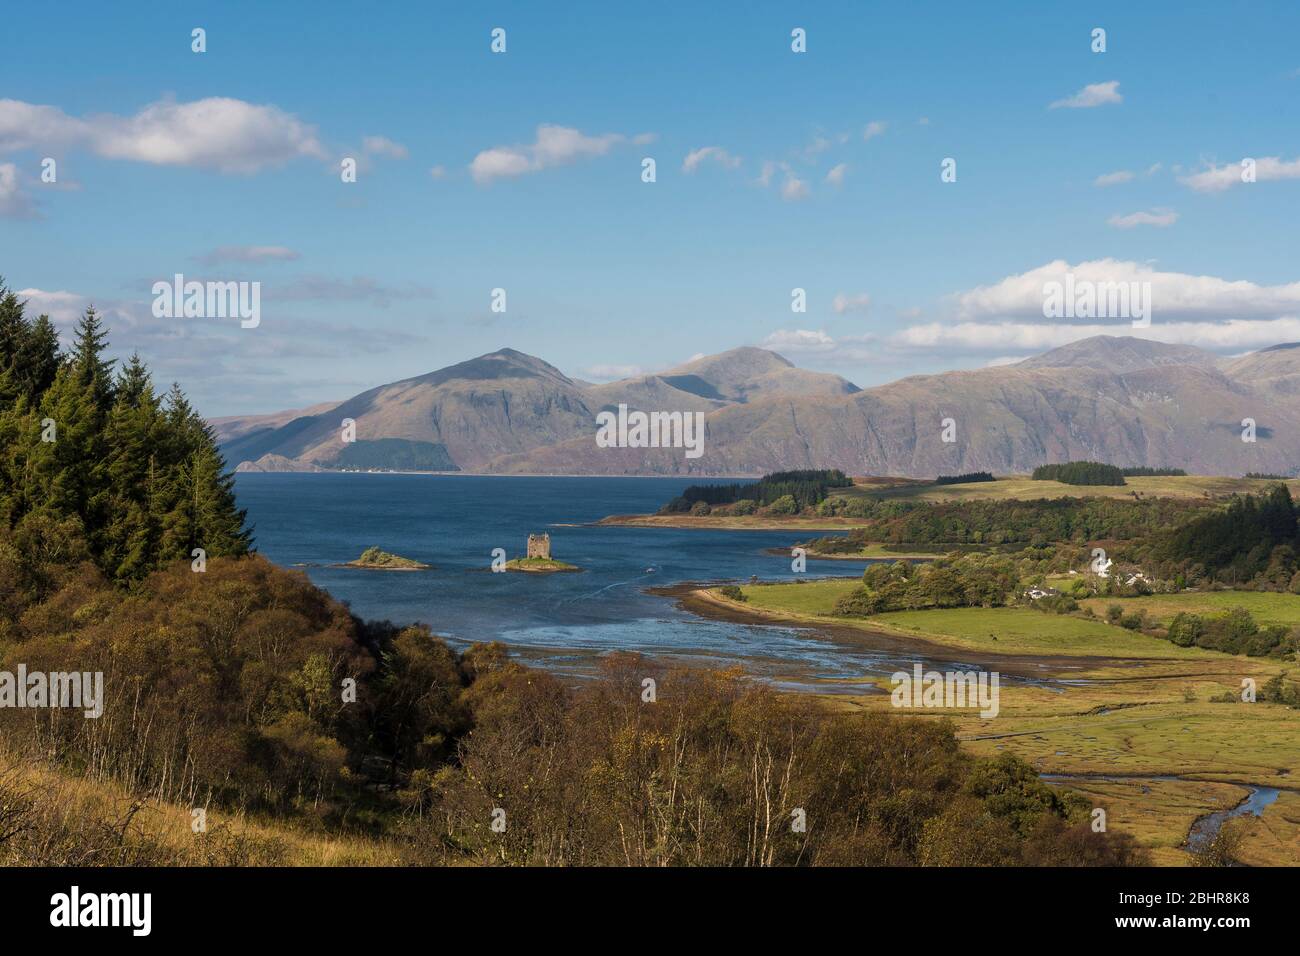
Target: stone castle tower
[{"x": 539, "y": 546}]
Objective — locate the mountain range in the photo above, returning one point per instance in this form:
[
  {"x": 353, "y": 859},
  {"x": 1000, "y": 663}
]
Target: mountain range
[{"x": 1122, "y": 400}]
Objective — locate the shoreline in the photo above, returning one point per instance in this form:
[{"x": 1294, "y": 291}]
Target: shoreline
[{"x": 696, "y": 598}]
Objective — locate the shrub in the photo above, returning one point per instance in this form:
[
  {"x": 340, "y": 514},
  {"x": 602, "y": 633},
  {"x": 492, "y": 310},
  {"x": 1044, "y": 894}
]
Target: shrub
[{"x": 785, "y": 505}]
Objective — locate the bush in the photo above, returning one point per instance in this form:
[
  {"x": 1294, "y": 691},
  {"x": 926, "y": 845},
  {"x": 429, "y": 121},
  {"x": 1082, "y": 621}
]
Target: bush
[
  {"x": 732, "y": 593},
  {"x": 1056, "y": 604},
  {"x": 785, "y": 505}
]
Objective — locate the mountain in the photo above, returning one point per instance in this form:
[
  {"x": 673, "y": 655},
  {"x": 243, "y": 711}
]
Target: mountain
[
  {"x": 1122, "y": 400},
  {"x": 1120, "y": 354},
  {"x": 457, "y": 418},
  {"x": 1274, "y": 370}
]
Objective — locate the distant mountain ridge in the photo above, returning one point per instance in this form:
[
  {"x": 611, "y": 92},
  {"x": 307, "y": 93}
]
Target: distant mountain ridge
[{"x": 1123, "y": 400}]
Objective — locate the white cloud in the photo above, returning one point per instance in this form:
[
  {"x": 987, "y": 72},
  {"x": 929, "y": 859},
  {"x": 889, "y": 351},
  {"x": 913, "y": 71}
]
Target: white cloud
[
  {"x": 1113, "y": 179},
  {"x": 1155, "y": 217},
  {"x": 228, "y": 135},
  {"x": 836, "y": 175},
  {"x": 63, "y": 308},
  {"x": 875, "y": 128},
  {"x": 794, "y": 189},
  {"x": 1219, "y": 178},
  {"x": 554, "y": 146},
  {"x": 821, "y": 349},
  {"x": 1094, "y": 94},
  {"x": 800, "y": 340},
  {"x": 14, "y": 203},
  {"x": 383, "y": 146},
  {"x": 850, "y": 303},
  {"x": 1234, "y": 334},
  {"x": 438, "y": 172},
  {"x": 1207, "y": 311},
  {"x": 250, "y": 254},
  {"x": 1173, "y": 294},
  {"x": 712, "y": 154},
  {"x": 27, "y": 126},
  {"x": 820, "y": 144}
]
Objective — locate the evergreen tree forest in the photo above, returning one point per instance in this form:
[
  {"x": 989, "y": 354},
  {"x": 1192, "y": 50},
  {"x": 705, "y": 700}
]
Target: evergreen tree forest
[{"x": 90, "y": 448}]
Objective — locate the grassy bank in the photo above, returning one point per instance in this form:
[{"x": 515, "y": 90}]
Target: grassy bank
[
  {"x": 55, "y": 818},
  {"x": 1006, "y": 630}
]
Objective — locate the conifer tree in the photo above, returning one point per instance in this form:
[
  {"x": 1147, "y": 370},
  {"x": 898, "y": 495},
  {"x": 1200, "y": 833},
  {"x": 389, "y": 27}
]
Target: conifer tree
[
  {"x": 130, "y": 537},
  {"x": 38, "y": 358},
  {"x": 142, "y": 477},
  {"x": 87, "y": 359}
]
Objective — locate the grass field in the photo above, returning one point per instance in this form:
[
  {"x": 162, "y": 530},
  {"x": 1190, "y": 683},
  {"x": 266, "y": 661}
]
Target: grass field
[
  {"x": 1024, "y": 488},
  {"x": 1134, "y": 727},
  {"x": 1145, "y": 740},
  {"x": 1008, "y": 630},
  {"x": 1265, "y": 607},
  {"x": 1272, "y": 839}
]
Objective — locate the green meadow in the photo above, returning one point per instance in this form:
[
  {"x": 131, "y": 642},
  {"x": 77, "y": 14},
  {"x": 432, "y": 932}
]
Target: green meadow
[{"x": 996, "y": 630}]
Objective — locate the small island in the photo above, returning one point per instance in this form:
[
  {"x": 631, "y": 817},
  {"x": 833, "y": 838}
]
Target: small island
[
  {"x": 539, "y": 565},
  {"x": 373, "y": 559},
  {"x": 539, "y": 560}
]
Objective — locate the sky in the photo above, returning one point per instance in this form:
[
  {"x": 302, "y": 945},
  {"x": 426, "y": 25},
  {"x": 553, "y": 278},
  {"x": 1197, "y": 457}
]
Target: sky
[{"x": 524, "y": 171}]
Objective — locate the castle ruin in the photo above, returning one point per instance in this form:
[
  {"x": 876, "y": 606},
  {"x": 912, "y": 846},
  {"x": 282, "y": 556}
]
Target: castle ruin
[{"x": 539, "y": 546}]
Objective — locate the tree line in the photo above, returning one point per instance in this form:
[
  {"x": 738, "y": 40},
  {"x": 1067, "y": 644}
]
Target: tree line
[
  {"x": 1008, "y": 522},
  {"x": 807, "y": 488},
  {"x": 135, "y": 476},
  {"x": 1080, "y": 473}
]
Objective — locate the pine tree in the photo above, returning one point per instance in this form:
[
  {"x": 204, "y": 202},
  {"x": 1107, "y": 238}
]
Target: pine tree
[
  {"x": 67, "y": 473},
  {"x": 13, "y": 334},
  {"x": 38, "y": 358},
  {"x": 131, "y": 535},
  {"x": 87, "y": 359},
  {"x": 201, "y": 511}
]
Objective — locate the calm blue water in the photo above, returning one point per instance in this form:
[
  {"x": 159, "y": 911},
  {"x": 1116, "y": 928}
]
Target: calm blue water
[{"x": 454, "y": 522}]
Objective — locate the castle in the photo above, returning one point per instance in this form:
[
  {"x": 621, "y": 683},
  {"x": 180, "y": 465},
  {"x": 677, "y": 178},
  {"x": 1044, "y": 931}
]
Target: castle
[{"x": 539, "y": 546}]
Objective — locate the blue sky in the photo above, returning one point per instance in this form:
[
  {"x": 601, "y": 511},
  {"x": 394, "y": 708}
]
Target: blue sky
[{"x": 224, "y": 166}]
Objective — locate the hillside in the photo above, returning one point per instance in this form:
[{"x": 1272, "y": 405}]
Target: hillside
[
  {"x": 499, "y": 406},
  {"x": 1127, "y": 401}
]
